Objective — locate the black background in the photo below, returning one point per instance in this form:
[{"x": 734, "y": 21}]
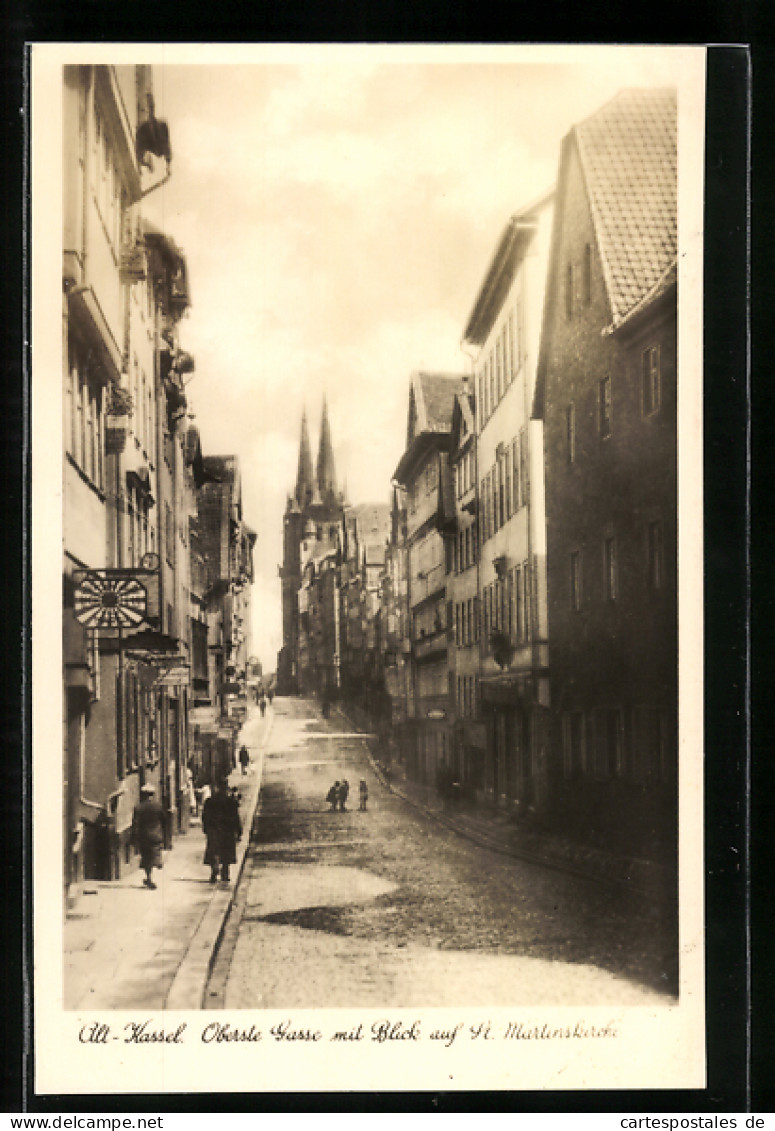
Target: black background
[{"x": 738, "y": 912}]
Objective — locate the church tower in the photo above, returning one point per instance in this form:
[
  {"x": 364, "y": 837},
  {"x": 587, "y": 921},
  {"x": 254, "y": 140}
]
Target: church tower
[
  {"x": 311, "y": 526},
  {"x": 304, "y": 486},
  {"x": 326, "y": 474}
]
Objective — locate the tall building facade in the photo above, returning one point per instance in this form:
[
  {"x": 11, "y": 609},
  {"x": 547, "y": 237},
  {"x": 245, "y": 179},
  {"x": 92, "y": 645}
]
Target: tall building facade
[
  {"x": 424, "y": 473},
  {"x": 508, "y": 559},
  {"x": 607, "y": 396},
  {"x": 115, "y": 715},
  {"x": 135, "y": 619}
]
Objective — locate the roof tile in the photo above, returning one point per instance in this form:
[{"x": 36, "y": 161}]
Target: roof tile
[{"x": 629, "y": 154}]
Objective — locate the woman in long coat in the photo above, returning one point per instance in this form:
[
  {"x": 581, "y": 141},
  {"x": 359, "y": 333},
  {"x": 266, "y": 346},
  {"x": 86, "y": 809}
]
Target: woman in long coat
[
  {"x": 147, "y": 835},
  {"x": 223, "y": 828}
]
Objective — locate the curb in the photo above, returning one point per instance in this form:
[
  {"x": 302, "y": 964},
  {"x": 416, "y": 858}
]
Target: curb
[{"x": 188, "y": 986}]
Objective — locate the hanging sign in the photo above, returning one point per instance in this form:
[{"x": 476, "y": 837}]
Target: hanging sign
[
  {"x": 169, "y": 670},
  {"x": 114, "y": 598}
]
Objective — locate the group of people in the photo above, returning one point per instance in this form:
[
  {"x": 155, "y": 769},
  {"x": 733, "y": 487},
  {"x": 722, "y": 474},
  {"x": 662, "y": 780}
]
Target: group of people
[
  {"x": 340, "y": 791},
  {"x": 221, "y": 824}
]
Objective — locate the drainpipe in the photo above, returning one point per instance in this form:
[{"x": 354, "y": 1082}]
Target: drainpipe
[{"x": 479, "y": 603}]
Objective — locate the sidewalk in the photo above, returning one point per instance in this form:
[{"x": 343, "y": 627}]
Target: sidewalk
[
  {"x": 504, "y": 832},
  {"x": 126, "y": 947}
]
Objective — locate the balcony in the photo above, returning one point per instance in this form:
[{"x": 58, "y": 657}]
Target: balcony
[
  {"x": 431, "y": 647},
  {"x": 467, "y": 501}
]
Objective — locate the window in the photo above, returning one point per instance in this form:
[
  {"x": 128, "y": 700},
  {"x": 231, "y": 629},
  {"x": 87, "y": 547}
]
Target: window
[
  {"x": 604, "y": 407},
  {"x": 519, "y": 618},
  {"x": 569, "y": 291},
  {"x": 507, "y": 484},
  {"x": 504, "y": 514},
  {"x": 656, "y": 563},
  {"x": 651, "y": 382},
  {"x": 570, "y": 432},
  {"x": 169, "y": 535},
  {"x": 85, "y": 431},
  {"x": 587, "y": 275},
  {"x": 516, "y": 464},
  {"x": 514, "y": 329},
  {"x": 610, "y": 580},
  {"x": 575, "y": 581},
  {"x": 650, "y": 753},
  {"x": 609, "y": 744},
  {"x": 524, "y": 471},
  {"x": 573, "y": 743}
]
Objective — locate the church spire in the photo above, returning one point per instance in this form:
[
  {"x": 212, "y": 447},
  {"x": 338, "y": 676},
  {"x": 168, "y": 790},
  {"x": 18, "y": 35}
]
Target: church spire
[
  {"x": 303, "y": 492},
  {"x": 326, "y": 475}
]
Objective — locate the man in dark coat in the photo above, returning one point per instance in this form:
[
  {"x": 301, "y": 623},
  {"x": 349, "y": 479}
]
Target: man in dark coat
[
  {"x": 223, "y": 828},
  {"x": 147, "y": 835}
]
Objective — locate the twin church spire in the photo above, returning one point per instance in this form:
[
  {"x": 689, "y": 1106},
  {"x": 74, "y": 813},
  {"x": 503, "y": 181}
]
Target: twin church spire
[{"x": 322, "y": 487}]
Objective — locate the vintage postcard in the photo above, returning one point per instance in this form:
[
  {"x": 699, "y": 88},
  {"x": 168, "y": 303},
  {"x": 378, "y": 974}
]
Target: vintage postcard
[{"x": 367, "y": 567}]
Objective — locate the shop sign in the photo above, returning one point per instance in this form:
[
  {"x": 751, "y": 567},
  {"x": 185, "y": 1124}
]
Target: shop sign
[{"x": 115, "y": 598}]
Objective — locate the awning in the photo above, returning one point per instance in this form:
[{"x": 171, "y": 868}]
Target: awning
[{"x": 86, "y": 313}]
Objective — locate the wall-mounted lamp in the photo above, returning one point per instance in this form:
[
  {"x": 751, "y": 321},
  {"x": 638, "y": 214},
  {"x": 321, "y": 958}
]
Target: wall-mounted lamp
[{"x": 500, "y": 564}]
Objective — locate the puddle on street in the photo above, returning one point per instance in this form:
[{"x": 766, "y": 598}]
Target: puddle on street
[
  {"x": 332, "y": 920},
  {"x": 280, "y": 889}
]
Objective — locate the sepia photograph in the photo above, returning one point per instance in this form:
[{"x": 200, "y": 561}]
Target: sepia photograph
[{"x": 367, "y": 565}]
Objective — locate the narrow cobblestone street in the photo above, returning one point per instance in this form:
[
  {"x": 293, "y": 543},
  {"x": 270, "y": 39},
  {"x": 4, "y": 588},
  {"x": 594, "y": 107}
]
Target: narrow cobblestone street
[{"x": 386, "y": 907}]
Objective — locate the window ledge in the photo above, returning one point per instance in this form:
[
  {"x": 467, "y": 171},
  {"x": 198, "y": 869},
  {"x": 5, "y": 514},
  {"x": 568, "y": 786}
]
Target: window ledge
[{"x": 98, "y": 491}]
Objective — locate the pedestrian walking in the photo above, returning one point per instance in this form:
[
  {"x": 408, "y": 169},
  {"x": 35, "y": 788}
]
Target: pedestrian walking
[
  {"x": 244, "y": 759},
  {"x": 223, "y": 828},
  {"x": 344, "y": 791},
  {"x": 270, "y": 696},
  {"x": 333, "y": 795},
  {"x": 262, "y": 706},
  {"x": 191, "y": 792},
  {"x": 147, "y": 835},
  {"x": 363, "y": 794}
]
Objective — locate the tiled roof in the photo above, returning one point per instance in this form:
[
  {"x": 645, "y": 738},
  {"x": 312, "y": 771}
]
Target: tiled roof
[
  {"x": 373, "y": 525},
  {"x": 222, "y": 468},
  {"x": 438, "y": 394},
  {"x": 628, "y": 153}
]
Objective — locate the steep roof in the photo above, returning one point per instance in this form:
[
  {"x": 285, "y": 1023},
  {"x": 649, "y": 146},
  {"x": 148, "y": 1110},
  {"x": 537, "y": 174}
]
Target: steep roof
[
  {"x": 432, "y": 402},
  {"x": 326, "y": 474},
  {"x": 373, "y": 529},
  {"x": 439, "y": 391},
  {"x": 431, "y": 406},
  {"x": 304, "y": 472},
  {"x": 512, "y": 247},
  {"x": 628, "y": 154}
]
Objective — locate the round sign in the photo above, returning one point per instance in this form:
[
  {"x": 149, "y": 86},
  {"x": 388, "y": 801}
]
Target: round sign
[
  {"x": 150, "y": 561},
  {"x": 110, "y": 602}
]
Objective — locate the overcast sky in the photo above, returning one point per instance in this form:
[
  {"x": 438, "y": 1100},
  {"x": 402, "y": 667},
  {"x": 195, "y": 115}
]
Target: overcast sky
[{"x": 337, "y": 220}]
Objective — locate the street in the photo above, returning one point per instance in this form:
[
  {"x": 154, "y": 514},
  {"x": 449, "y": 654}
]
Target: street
[{"x": 387, "y": 907}]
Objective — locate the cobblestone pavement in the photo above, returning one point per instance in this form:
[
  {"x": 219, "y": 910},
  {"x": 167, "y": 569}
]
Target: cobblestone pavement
[{"x": 386, "y": 907}]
